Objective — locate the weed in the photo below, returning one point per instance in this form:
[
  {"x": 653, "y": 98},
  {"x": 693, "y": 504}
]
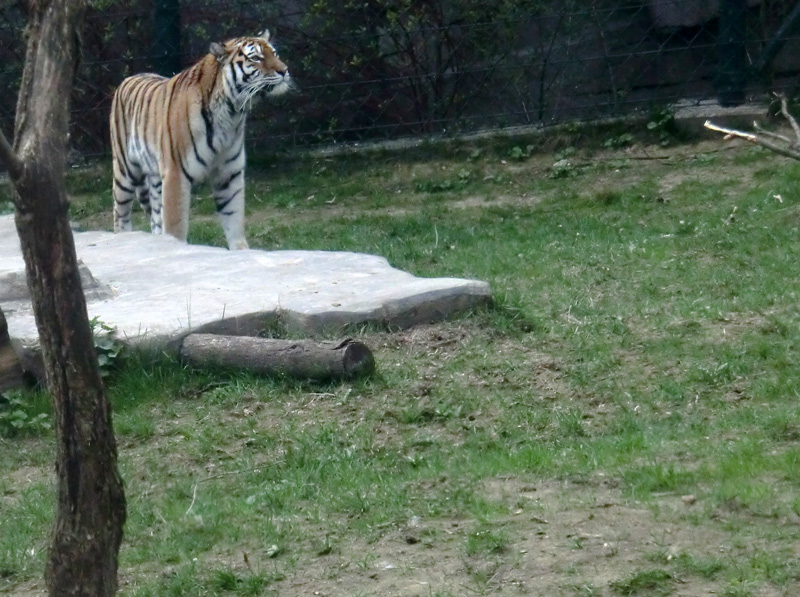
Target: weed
[
  {"x": 652, "y": 583},
  {"x": 739, "y": 589},
  {"x": 563, "y": 168},
  {"x": 520, "y": 153},
  {"x": 663, "y": 123},
  {"x": 705, "y": 567},
  {"x": 20, "y": 415},
  {"x": 659, "y": 477},
  {"x": 618, "y": 141},
  {"x": 487, "y": 540},
  {"x": 246, "y": 585},
  {"x": 108, "y": 347}
]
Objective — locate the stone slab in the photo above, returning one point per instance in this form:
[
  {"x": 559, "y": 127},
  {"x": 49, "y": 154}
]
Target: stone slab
[{"x": 155, "y": 289}]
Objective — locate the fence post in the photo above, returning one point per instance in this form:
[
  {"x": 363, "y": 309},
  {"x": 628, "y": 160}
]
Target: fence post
[
  {"x": 167, "y": 40},
  {"x": 731, "y": 52}
]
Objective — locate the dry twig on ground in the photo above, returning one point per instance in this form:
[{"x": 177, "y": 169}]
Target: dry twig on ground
[{"x": 780, "y": 144}]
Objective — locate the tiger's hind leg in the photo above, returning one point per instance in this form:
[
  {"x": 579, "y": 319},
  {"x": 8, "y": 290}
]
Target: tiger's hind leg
[
  {"x": 175, "y": 202},
  {"x": 227, "y": 188},
  {"x": 126, "y": 189},
  {"x": 152, "y": 205}
]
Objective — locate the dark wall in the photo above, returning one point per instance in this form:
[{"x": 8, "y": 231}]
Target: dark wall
[{"x": 378, "y": 69}]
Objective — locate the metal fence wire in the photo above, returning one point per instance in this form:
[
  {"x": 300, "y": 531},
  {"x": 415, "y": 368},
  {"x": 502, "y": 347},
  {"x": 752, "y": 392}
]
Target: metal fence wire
[{"x": 383, "y": 69}]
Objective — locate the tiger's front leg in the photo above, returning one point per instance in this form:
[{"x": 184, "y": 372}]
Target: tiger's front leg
[
  {"x": 227, "y": 188},
  {"x": 176, "y": 192}
]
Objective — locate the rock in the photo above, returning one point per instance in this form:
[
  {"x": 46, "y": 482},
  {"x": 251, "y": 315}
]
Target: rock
[{"x": 155, "y": 290}]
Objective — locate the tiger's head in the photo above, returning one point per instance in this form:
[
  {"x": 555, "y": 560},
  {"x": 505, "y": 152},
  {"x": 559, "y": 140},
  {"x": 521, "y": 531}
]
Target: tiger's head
[{"x": 252, "y": 64}]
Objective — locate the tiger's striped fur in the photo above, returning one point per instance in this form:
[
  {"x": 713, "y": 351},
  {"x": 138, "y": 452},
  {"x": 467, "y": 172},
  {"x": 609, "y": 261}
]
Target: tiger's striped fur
[{"x": 167, "y": 134}]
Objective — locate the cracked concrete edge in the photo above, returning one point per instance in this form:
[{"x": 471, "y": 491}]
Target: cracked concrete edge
[{"x": 430, "y": 307}]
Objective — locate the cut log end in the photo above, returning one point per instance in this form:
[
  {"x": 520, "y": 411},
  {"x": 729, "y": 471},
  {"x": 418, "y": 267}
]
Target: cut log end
[{"x": 357, "y": 360}]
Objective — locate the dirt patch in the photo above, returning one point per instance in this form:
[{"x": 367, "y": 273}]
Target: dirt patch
[
  {"x": 481, "y": 201},
  {"x": 558, "y": 539},
  {"x": 18, "y": 480}
]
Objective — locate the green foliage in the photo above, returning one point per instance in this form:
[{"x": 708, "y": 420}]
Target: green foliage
[
  {"x": 518, "y": 153},
  {"x": 663, "y": 123},
  {"x": 461, "y": 180},
  {"x": 109, "y": 349},
  {"x": 659, "y": 476},
  {"x": 563, "y": 169},
  {"x": 649, "y": 583},
  {"x": 619, "y": 141},
  {"x": 246, "y": 585},
  {"x": 487, "y": 540},
  {"x": 18, "y": 416}
]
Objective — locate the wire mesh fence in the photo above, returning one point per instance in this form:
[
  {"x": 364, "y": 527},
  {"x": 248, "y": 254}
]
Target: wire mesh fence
[{"x": 383, "y": 69}]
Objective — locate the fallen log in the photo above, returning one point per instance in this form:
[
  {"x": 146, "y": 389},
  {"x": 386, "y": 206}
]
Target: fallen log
[
  {"x": 303, "y": 359},
  {"x": 10, "y": 368}
]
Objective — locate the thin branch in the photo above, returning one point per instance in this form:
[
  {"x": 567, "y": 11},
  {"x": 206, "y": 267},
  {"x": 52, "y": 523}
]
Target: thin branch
[
  {"x": 9, "y": 158},
  {"x": 789, "y": 117},
  {"x": 784, "y": 151},
  {"x": 194, "y": 497},
  {"x": 217, "y": 476},
  {"x": 762, "y": 131}
]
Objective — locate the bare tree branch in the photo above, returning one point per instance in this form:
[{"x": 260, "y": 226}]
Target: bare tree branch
[
  {"x": 762, "y": 131},
  {"x": 9, "y": 159},
  {"x": 790, "y": 118},
  {"x": 784, "y": 151}
]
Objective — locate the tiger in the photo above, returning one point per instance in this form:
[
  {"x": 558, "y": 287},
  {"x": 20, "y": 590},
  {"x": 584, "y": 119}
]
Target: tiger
[{"x": 169, "y": 133}]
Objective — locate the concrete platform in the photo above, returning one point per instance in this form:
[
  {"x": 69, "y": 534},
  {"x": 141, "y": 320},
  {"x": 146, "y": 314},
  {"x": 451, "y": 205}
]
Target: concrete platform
[{"x": 155, "y": 290}]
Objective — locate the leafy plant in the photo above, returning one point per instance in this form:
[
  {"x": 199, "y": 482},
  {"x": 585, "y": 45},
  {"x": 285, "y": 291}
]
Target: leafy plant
[
  {"x": 108, "y": 347},
  {"x": 663, "y": 123},
  {"x": 562, "y": 169},
  {"x": 16, "y": 416},
  {"x": 618, "y": 141},
  {"x": 518, "y": 153}
]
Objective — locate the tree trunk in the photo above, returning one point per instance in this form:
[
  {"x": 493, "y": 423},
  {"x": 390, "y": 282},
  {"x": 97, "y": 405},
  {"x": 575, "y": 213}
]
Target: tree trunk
[
  {"x": 296, "y": 358},
  {"x": 87, "y": 533},
  {"x": 86, "y": 537}
]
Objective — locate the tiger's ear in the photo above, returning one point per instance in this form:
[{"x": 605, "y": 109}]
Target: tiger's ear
[
  {"x": 218, "y": 50},
  {"x": 265, "y": 35}
]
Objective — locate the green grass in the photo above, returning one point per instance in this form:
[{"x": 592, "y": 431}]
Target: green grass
[
  {"x": 642, "y": 348},
  {"x": 652, "y": 582}
]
